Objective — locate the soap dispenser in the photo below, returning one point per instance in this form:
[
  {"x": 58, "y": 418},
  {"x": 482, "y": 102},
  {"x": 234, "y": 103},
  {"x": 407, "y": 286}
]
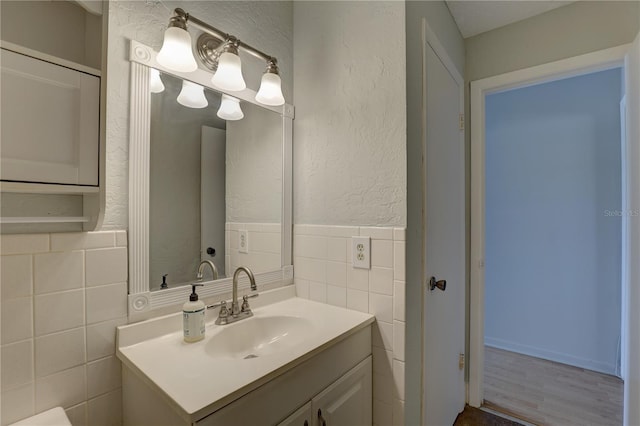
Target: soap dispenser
[{"x": 193, "y": 317}]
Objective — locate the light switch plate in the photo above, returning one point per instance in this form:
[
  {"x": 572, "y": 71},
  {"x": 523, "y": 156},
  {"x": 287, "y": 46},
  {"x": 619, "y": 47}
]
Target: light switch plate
[
  {"x": 361, "y": 252},
  {"x": 243, "y": 241}
]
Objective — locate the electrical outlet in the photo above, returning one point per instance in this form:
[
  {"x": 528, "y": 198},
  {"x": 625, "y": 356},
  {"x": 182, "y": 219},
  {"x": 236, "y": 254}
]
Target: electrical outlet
[
  {"x": 243, "y": 241},
  {"x": 361, "y": 252}
]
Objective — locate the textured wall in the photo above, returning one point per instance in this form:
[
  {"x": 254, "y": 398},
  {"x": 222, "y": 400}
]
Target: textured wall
[
  {"x": 350, "y": 130},
  {"x": 264, "y": 24},
  {"x": 553, "y": 229}
]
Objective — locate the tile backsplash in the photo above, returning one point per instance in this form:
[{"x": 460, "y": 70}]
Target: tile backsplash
[
  {"x": 63, "y": 295},
  {"x": 323, "y": 272},
  {"x": 264, "y": 246}
]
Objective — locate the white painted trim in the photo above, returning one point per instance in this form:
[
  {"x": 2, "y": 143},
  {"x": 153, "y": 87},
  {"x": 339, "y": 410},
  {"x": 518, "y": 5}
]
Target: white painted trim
[
  {"x": 578, "y": 65},
  {"x": 429, "y": 37},
  {"x": 139, "y": 152},
  {"x": 49, "y": 58},
  {"x": 45, "y": 219},
  {"x": 45, "y": 188},
  {"x": 565, "y": 68},
  {"x": 141, "y": 299},
  {"x": 625, "y": 242},
  {"x": 631, "y": 374},
  {"x": 563, "y": 358}
]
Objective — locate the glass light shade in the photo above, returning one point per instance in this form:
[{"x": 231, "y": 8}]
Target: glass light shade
[
  {"x": 270, "y": 92},
  {"x": 176, "y": 51},
  {"x": 230, "y": 109},
  {"x": 192, "y": 95},
  {"x": 155, "y": 82},
  {"x": 228, "y": 76}
]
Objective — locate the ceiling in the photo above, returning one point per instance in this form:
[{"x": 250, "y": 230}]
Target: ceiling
[{"x": 475, "y": 17}]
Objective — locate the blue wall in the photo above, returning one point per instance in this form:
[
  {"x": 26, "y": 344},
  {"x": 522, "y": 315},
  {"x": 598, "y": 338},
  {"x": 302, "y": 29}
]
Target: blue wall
[{"x": 553, "y": 170}]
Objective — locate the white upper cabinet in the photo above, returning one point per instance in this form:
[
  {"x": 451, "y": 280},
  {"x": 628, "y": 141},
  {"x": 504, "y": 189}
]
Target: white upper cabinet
[{"x": 50, "y": 129}]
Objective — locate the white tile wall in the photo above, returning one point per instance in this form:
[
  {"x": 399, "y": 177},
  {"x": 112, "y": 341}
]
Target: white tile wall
[
  {"x": 58, "y": 271},
  {"x": 16, "y": 274},
  {"x": 323, "y": 272},
  {"x": 60, "y": 351},
  {"x": 63, "y": 295},
  {"x": 265, "y": 245}
]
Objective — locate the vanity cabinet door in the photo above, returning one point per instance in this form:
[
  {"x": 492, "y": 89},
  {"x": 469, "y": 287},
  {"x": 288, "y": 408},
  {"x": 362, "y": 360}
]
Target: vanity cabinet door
[
  {"x": 302, "y": 417},
  {"x": 347, "y": 402},
  {"x": 50, "y": 122}
]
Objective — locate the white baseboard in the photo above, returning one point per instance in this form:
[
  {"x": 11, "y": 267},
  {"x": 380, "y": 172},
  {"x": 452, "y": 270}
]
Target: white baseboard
[{"x": 589, "y": 364}]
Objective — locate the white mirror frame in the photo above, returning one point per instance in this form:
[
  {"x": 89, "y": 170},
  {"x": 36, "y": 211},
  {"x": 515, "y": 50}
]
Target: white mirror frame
[{"x": 141, "y": 299}]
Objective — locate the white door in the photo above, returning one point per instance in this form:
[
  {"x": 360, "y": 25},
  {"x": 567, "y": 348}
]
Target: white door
[
  {"x": 444, "y": 221},
  {"x": 212, "y": 197}
]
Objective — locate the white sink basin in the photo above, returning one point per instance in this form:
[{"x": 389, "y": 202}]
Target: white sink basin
[
  {"x": 200, "y": 378},
  {"x": 258, "y": 337}
]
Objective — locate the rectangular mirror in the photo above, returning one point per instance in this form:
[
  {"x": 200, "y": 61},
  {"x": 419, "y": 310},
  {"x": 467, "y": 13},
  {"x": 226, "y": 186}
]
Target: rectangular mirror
[
  {"x": 215, "y": 188},
  {"x": 202, "y": 187}
]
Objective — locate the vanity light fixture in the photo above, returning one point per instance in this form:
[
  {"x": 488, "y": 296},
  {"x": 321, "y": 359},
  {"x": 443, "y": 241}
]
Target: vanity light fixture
[
  {"x": 228, "y": 74},
  {"x": 230, "y": 109},
  {"x": 192, "y": 95},
  {"x": 217, "y": 51},
  {"x": 155, "y": 82},
  {"x": 270, "y": 92},
  {"x": 176, "y": 53}
]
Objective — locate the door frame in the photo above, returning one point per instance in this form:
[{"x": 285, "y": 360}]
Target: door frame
[
  {"x": 429, "y": 37},
  {"x": 579, "y": 65}
]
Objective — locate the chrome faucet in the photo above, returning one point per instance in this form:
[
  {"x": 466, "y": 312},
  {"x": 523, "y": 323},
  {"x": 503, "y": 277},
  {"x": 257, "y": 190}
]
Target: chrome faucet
[
  {"x": 237, "y": 312},
  {"x": 204, "y": 263}
]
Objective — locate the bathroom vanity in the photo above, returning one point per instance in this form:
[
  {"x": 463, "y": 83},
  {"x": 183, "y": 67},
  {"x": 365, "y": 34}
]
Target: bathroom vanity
[{"x": 295, "y": 362}]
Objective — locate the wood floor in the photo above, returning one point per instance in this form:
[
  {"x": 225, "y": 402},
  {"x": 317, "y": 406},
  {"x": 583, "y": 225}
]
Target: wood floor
[
  {"x": 548, "y": 393},
  {"x": 477, "y": 417}
]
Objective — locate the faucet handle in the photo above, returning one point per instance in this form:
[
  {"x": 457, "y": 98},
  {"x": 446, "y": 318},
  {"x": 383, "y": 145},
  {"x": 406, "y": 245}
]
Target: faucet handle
[
  {"x": 224, "y": 311},
  {"x": 245, "y": 301},
  {"x": 217, "y": 304}
]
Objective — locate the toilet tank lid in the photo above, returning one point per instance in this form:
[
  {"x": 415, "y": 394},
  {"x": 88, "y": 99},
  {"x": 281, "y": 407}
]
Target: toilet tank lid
[{"x": 54, "y": 417}]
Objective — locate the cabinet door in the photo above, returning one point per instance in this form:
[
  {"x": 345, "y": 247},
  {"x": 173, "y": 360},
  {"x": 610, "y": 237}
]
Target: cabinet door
[
  {"x": 347, "y": 402},
  {"x": 302, "y": 417},
  {"x": 50, "y": 122}
]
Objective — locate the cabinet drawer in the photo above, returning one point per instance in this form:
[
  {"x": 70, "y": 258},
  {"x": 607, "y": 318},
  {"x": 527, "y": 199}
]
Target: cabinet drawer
[{"x": 50, "y": 122}]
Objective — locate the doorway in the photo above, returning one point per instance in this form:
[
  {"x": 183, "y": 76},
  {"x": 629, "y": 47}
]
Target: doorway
[{"x": 483, "y": 93}]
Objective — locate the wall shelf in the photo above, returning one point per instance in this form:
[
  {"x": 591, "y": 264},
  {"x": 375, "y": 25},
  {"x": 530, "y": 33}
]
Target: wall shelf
[
  {"x": 46, "y": 188},
  {"x": 46, "y": 219},
  {"x": 61, "y": 187}
]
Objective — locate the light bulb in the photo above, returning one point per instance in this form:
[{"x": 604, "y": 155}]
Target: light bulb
[
  {"x": 228, "y": 76},
  {"x": 230, "y": 109},
  {"x": 192, "y": 95},
  {"x": 270, "y": 92},
  {"x": 155, "y": 82},
  {"x": 176, "y": 52}
]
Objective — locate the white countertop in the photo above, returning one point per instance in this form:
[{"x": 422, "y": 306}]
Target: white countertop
[{"x": 200, "y": 381}]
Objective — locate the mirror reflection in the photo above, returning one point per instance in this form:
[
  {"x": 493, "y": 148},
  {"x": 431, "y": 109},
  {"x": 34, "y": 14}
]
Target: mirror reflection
[{"x": 215, "y": 190}]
